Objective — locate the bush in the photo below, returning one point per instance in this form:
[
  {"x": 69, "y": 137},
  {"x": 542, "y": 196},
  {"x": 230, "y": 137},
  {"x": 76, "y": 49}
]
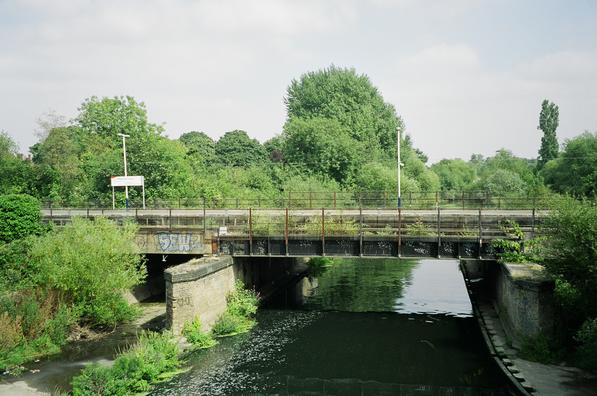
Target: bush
[
  {"x": 193, "y": 333},
  {"x": 238, "y": 318},
  {"x": 20, "y": 216},
  {"x": 318, "y": 265},
  {"x": 587, "y": 350},
  {"x": 540, "y": 349},
  {"x": 92, "y": 263},
  {"x": 32, "y": 324},
  {"x": 152, "y": 359},
  {"x": 229, "y": 325},
  {"x": 571, "y": 251}
]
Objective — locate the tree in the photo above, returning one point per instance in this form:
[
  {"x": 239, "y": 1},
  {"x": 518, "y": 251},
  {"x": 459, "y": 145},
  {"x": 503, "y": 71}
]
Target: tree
[
  {"x": 200, "y": 147},
  {"x": 575, "y": 170},
  {"x": 236, "y": 148},
  {"x": 15, "y": 173},
  {"x": 351, "y": 100},
  {"x": 455, "y": 174},
  {"x": 92, "y": 263},
  {"x": 548, "y": 123},
  {"x": 322, "y": 146},
  {"x": 20, "y": 216},
  {"x": 108, "y": 117}
]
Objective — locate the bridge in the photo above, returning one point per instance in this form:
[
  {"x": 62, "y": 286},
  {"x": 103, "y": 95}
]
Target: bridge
[{"x": 442, "y": 233}]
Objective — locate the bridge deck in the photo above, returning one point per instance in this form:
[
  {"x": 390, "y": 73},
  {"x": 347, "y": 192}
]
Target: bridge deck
[{"x": 300, "y": 232}]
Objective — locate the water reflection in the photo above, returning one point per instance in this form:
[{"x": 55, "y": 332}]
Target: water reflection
[{"x": 366, "y": 327}]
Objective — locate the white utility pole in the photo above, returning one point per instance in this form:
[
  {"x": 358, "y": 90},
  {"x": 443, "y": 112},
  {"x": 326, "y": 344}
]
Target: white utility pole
[
  {"x": 399, "y": 163},
  {"x": 126, "y": 188}
]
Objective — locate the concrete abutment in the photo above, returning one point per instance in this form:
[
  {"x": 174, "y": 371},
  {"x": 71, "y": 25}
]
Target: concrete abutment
[{"x": 198, "y": 288}]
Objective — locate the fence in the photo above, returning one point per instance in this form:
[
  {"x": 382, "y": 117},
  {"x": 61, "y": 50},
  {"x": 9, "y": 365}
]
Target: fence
[{"x": 338, "y": 200}]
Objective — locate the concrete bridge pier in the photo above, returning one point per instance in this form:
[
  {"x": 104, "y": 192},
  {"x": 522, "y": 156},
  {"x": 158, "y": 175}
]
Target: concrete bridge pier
[{"x": 198, "y": 288}]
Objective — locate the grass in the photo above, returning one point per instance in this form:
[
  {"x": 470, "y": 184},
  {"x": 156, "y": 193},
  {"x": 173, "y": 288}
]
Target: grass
[{"x": 153, "y": 359}]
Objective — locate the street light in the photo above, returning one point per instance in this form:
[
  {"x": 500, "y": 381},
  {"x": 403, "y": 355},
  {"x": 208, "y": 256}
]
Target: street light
[
  {"x": 126, "y": 188},
  {"x": 399, "y": 163}
]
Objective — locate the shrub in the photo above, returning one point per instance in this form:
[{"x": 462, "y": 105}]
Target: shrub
[
  {"x": 152, "y": 359},
  {"x": 242, "y": 302},
  {"x": 238, "y": 318},
  {"x": 318, "y": 265},
  {"x": 540, "y": 349},
  {"x": 92, "y": 263},
  {"x": 193, "y": 333},
  {"x": 419, "y": 228},
  {"x": 587, "y": 350},
  {"x": 229, "y": 324},
  {"x": 20, "y": 216},
  {"x": 94, "y": 380}
]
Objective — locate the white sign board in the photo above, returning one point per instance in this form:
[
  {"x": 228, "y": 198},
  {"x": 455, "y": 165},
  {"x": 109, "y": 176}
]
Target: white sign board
[{"x": 124, "y": 181}]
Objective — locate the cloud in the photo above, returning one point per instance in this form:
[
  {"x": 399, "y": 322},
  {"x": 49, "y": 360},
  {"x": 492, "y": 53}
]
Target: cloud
[{"x": 450, "y": 97}]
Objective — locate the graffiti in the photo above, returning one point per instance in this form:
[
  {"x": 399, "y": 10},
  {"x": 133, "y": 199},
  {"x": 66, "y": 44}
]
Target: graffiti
[
  {"x": 177, "y": 242},
  {"x": 141, "y": 241}
]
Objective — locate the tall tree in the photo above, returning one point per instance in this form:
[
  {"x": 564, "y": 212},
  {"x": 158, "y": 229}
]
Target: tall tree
[
  {"x": 548, "y": 123},
  {"x": 350, "y": 99},
  {"x": 575, "y": 170},
  {"x": 236, "y": 148}
]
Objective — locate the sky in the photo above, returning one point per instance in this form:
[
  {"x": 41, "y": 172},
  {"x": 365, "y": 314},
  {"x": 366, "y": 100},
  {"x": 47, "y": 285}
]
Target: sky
[{"x": 467, "y": 76}]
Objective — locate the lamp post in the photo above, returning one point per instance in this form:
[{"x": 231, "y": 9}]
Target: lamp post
[
  {"x": 126, "y": 188},
  {"x": 399, "y": 164}
]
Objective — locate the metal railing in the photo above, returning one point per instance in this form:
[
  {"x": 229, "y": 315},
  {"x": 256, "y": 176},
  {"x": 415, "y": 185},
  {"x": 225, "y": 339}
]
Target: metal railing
[{"x": 336, "y": 200}]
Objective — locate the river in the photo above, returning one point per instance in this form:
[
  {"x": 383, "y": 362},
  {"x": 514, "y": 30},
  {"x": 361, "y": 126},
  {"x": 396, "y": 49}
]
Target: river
[{"x": 362, "y": 327}]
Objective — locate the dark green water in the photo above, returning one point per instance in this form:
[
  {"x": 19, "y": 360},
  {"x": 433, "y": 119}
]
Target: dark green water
[{"x": 364, "y": 327}]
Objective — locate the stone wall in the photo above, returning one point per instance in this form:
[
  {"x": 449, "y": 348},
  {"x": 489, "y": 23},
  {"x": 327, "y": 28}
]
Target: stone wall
[
  {"x": 198, "y": 288},
  {"x": 524, "y": 300},
  {"x": 522, "y": 295}
]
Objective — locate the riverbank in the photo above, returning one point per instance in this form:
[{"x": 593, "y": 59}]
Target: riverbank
[
  {"x": 55, "y": 373},
  {"x": 531, "y": 378},
  {"x": 542, "y": 379}
]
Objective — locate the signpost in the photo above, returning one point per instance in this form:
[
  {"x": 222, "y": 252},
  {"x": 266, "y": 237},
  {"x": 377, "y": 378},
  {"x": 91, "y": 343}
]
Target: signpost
[{"x": 127, "y": 181}]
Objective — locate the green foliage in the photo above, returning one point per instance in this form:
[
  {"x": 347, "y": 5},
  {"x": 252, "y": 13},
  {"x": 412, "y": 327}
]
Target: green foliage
[
  {"x": 20, "y": 216},
  {"x": 419, "y": 228},
  {"x": 322, "y": 146},
  {"x": 33, "y": 323},
  {"x": 229, "y": 325},
  {"x": 92, "y": 263},
  {"x": 575, "y": 170},
  {"x": 238, "y": 318},
  {"x": 236, "y": 148},
  {"x": 571, "y": 247},
  {"x": 548, "y": 123},
  {"x": 242, "y": 302},
  {"x": 587, "y": 350},
  {"x": 15, "y": 172},
  {"x": 193, "y": 333},
  {"x": 319, "y": 265},
  {"x": 201, "y": 149},
  {"x": 540, "y": 349},
  {"x": 352, "y": 101},
  {"x": 455, "y": 174},
  {"x": 107, "y": 117},
  {"x": 153, "y": 359}
]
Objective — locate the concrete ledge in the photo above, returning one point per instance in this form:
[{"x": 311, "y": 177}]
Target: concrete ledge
[{"x": 196, "y": 269}]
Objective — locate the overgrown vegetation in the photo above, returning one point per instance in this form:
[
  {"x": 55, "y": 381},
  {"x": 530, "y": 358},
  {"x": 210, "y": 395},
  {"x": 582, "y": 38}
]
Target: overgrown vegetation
[
  {"x": 50, "y": 282},
  {"x": 196, "y": 336},
  {"x": 154, "y": 358},
  {"x": 240, "y": 312}
]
